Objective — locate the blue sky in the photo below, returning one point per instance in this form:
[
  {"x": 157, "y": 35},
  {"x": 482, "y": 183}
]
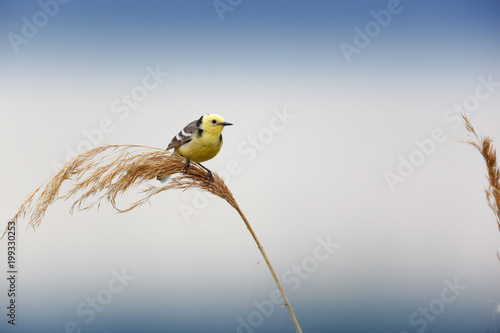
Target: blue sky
[{"x": 343, "y": 125}]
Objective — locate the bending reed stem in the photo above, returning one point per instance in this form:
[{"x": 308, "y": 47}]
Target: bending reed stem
[
  {"x": 106, "y": 172},
  {"x": 273, "y": 273}
]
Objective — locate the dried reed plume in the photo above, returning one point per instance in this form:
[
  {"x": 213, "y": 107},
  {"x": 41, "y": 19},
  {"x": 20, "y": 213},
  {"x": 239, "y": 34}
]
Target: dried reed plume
[
  {"x": 485, "y": 146},
  {"x": 105, "y": 172}
]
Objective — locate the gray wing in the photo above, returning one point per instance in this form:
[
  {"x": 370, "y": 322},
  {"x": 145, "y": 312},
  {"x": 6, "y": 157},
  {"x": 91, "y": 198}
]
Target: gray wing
[{"x": 184, "y": 136}]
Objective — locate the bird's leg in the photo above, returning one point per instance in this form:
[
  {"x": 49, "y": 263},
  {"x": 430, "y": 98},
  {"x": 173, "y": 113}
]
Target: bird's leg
[
  {"x": 188, "y": 163},
  {"x": 210, "y": 176}
]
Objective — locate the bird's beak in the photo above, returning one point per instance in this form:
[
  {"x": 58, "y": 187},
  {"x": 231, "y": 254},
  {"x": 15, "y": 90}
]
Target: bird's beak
[{"x": 225, "y": 124}]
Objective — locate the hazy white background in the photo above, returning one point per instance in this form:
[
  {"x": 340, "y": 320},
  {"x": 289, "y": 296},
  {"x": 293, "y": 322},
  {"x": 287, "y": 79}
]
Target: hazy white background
[{"x": 321, "y": 176}]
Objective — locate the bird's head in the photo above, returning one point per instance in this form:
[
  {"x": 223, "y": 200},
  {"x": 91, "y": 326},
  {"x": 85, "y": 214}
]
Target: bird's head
[{"x": 212, "y": 123}]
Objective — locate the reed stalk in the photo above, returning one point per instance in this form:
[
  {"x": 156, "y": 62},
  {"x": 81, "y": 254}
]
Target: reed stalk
[{"x": 104, "y": 173}]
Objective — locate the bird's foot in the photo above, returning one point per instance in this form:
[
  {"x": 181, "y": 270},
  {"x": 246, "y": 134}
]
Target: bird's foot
[
  {"x": 210, "y": 177},
  {"x": 188, "y": 163}
]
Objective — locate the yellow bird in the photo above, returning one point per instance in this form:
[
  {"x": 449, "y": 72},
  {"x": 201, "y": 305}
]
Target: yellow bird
[{"x": 199, "y": 141}]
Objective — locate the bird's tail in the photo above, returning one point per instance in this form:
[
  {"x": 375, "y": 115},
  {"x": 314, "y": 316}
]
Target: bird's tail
[{"x": 163, "y": 179}]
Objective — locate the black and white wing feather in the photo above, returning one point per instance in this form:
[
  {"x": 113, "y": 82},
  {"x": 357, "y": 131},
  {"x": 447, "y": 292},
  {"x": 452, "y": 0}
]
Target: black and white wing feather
[{"x": 184, "y": 136}]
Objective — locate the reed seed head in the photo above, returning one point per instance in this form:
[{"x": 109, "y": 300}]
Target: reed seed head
[{"x": 103, "y": 173}]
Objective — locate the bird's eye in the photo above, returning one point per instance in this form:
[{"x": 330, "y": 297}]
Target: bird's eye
[{"x": 214, "y": 121}]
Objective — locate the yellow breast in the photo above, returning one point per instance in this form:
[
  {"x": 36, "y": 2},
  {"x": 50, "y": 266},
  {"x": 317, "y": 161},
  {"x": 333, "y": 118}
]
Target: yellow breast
[{"x": 200, "y": 149}]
